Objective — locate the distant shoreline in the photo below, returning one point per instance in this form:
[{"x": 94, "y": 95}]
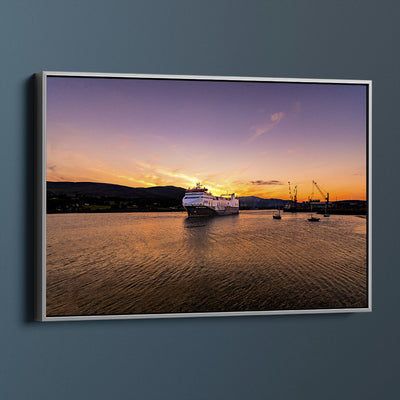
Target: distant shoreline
[
  {"x": 341, "y": 212},
  {"x": 111, "y": 211},
  {"x": 98, "y": 198}
]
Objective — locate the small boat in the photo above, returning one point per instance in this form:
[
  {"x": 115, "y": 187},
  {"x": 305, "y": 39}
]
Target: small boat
[
  {"x": 312, "y": 218},
  {"x": 277, "y": 215}
]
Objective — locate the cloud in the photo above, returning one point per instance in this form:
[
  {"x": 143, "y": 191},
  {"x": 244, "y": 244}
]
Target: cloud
[
  {"x": 261, "y": 131},
  {"x": 275, "y": 119},
  {"x": 163, "y": 171},
  {"x": 272, "y": 182}
]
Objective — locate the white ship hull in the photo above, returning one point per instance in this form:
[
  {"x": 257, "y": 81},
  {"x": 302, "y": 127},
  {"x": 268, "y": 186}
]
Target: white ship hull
[{"x": 202, "y": 211}]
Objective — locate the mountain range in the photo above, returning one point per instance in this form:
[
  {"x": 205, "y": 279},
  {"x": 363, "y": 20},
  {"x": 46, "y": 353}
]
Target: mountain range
[
  {"x": 94, "y": 189},
  {"x": 107, "y": 190}
]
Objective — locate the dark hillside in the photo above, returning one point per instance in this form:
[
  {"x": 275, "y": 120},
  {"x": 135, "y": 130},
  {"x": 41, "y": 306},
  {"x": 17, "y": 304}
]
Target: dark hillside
[
  {"x": 93, "y": 189},
  {"x": 65, "y": 197}
]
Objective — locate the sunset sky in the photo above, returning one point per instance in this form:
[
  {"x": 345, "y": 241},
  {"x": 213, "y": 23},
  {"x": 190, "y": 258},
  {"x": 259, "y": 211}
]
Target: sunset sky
[{"x": 250, "y": 138}]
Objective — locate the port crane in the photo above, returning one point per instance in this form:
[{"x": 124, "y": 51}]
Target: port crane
[
  {"x": 293, "y": 197},
  {"x": 325, "y": 196}
]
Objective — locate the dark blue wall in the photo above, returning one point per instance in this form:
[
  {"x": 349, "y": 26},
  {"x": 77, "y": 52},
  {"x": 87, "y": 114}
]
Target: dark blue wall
[{"x": 351, "y": 356}]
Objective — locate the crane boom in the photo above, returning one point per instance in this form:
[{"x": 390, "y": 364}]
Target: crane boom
[{"x": 324, "y": 195}]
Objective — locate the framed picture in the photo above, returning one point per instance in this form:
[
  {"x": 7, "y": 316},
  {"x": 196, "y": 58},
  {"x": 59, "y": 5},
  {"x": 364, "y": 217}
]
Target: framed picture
[{"x": 198, "y": 196}]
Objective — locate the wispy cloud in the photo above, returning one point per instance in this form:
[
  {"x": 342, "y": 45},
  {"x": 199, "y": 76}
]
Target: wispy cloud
[
  {"x": 272, "y": 182},
  {"x": 166, "y": 172},
  {"x": 274, "y": 120},
  {"x": 276, "y": 117},
  {"x": 135, "y": 181}
]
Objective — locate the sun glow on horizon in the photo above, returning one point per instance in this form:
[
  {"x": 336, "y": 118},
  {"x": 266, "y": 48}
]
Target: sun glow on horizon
[{"x": 241, "y": 189}]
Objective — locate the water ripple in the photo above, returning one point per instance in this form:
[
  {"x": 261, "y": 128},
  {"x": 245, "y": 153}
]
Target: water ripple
[{"x": 165, "y": 262}]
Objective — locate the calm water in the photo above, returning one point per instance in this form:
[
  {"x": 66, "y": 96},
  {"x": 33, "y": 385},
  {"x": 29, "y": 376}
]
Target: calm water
[{"x": 165, "y": 262}]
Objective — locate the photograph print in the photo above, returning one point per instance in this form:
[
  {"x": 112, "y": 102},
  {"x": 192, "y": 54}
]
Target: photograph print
[{"x": 168, "y": 196}]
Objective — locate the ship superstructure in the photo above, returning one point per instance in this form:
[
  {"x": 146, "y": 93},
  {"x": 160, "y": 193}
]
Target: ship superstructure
[{"x": 200, "y": 202}]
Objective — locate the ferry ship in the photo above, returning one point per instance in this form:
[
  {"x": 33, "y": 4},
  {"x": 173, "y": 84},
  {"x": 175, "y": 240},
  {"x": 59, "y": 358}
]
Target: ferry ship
[{"x": 199, "y": 202}]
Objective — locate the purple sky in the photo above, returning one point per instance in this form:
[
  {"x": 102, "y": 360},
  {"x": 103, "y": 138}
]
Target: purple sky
[{"x": 247, "y": 137}]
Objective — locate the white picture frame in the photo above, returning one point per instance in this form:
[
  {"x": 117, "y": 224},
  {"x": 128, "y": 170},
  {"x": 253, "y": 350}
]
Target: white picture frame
[{"x": 42, "y": 80}]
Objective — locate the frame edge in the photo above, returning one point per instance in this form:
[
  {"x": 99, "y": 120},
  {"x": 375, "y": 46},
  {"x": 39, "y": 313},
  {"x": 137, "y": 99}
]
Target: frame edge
[
  {"x": 39, "y": 198},
  {"x": 369, "y": 198}
]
